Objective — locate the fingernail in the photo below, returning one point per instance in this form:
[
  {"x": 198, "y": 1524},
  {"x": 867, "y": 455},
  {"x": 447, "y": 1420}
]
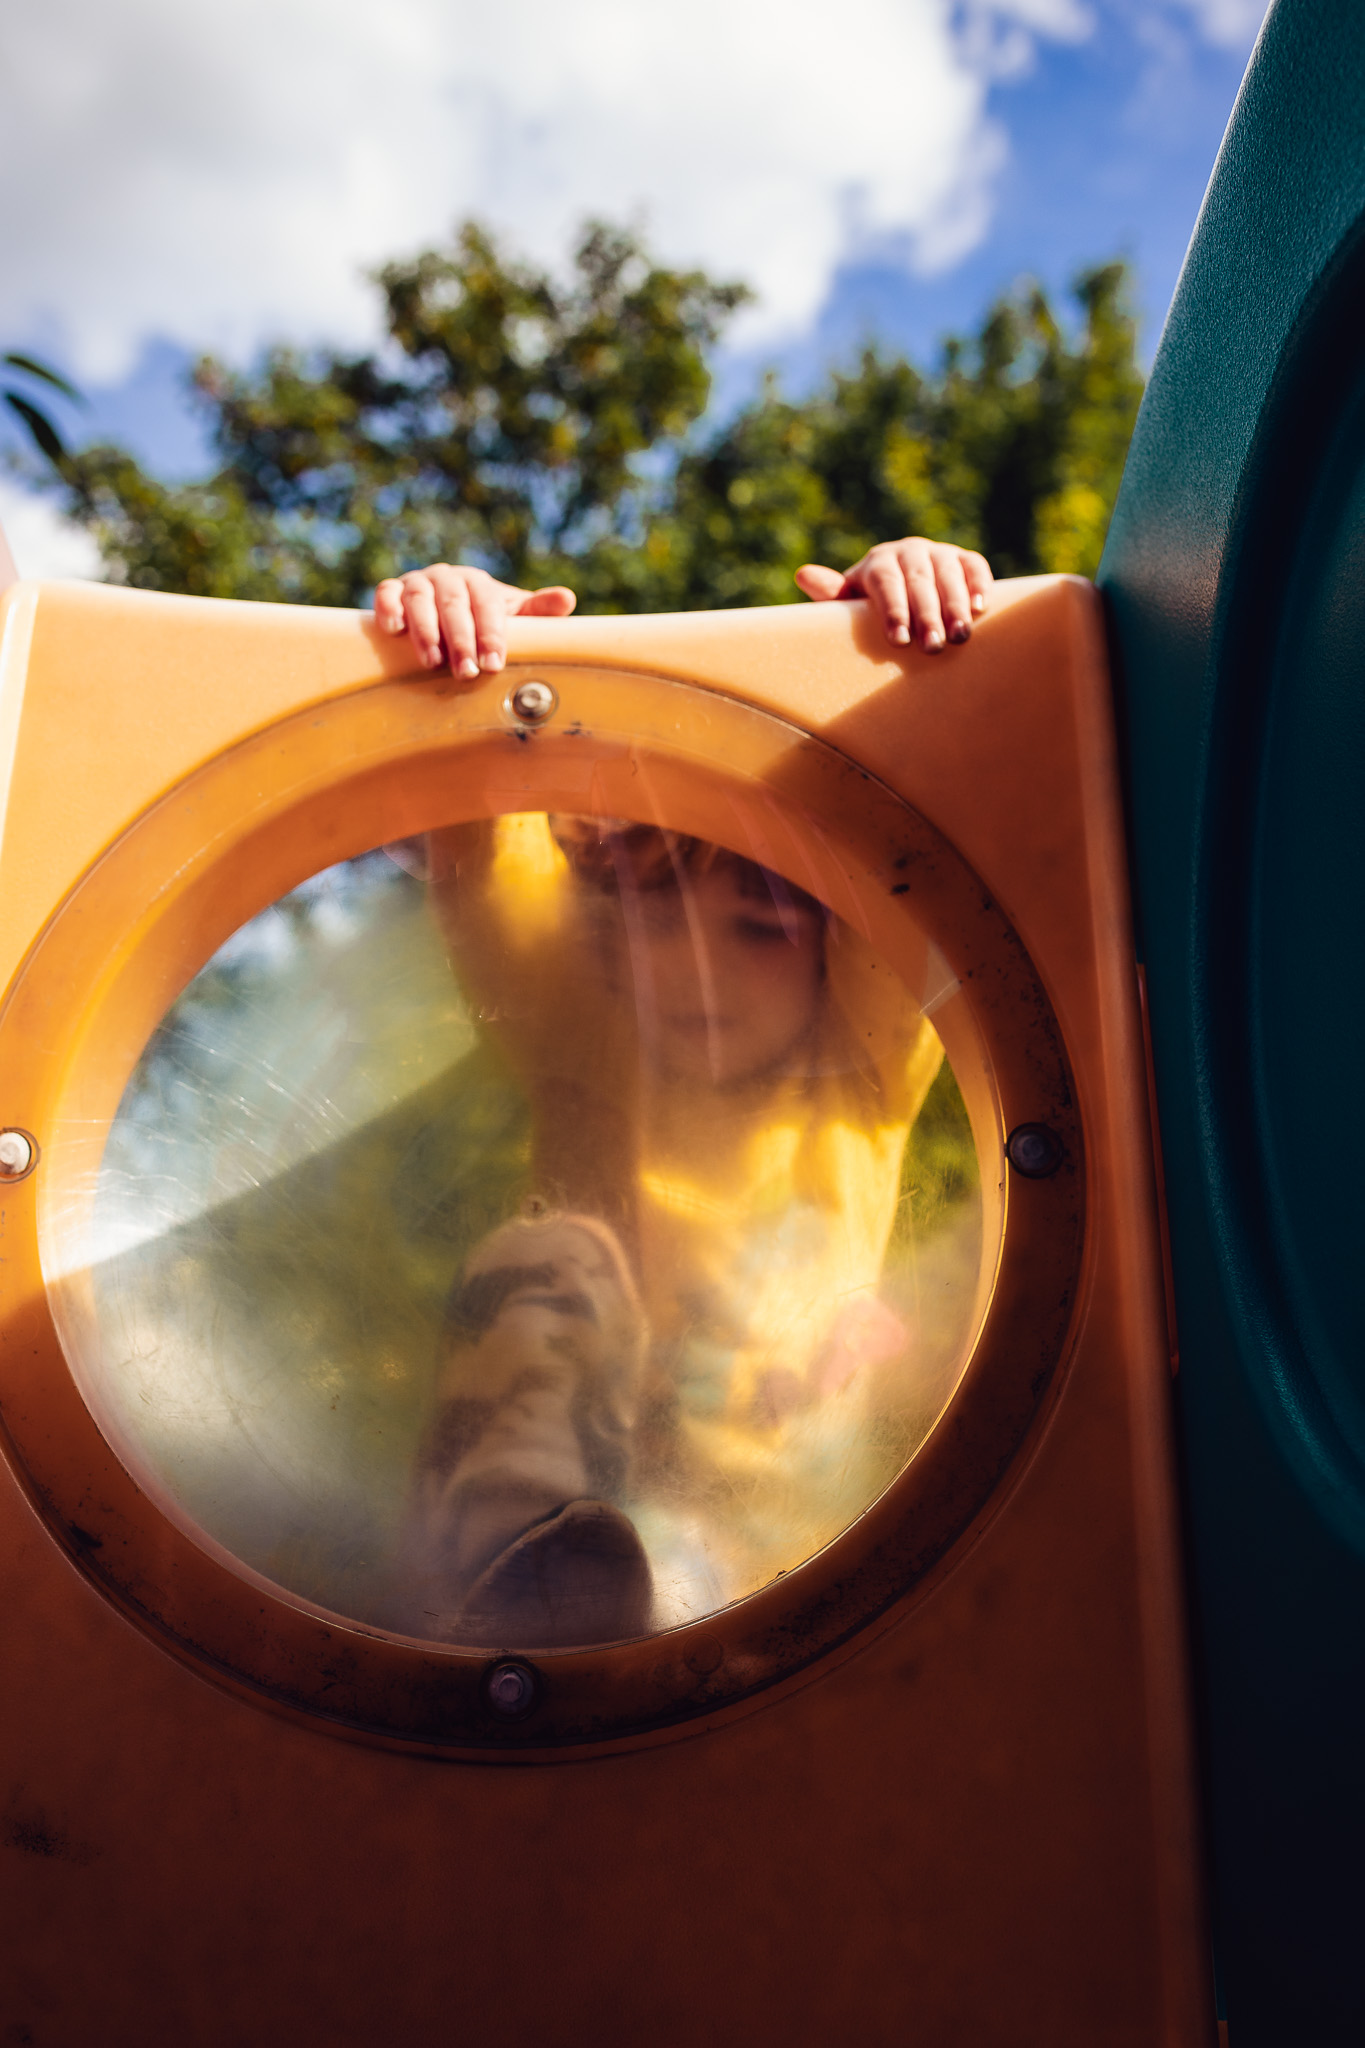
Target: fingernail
[
  {"x": 959, "y": 631},
  {"x": 469, "y": 668},
  {"x": 978, "y": 602},
  {"x": 933, "y": 642},
  {"x": 431, "y": 657},
  {"x": 491, "y": 664},
  {"x": 900, "y": 636}
]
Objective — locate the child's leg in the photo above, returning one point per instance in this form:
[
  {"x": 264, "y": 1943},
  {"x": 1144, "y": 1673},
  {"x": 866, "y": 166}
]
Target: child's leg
[{"x": 513, "y": 1537}]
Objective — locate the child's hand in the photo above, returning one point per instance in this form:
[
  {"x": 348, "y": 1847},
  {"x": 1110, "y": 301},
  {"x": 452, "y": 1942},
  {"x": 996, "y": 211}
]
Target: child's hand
[
  {"x": 458, "y": 615},
  {"x": 922, "y": 589}
]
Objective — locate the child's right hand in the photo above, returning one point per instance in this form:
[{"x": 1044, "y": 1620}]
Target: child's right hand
[{"x": 458, "y": 614}]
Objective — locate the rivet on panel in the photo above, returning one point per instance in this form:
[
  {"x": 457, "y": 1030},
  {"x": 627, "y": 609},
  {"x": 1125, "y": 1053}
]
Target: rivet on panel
[
  {"x": 511, "y": 1688},
  {"x": 18, "y": 1154},
  {"x": 532, "y": 703},
  {"x": 1034, "y": 1150}
]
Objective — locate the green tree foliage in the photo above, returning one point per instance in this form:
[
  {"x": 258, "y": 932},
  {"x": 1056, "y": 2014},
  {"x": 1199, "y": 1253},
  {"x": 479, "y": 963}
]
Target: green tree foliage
[
  {"x": 1015, "y": 446},
  {"x": 503, "y": 423},
  {"x": 549, "y": 431}
]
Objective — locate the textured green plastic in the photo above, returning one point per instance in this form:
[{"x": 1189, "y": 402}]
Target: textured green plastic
[{"x": 1235, "y": 574}]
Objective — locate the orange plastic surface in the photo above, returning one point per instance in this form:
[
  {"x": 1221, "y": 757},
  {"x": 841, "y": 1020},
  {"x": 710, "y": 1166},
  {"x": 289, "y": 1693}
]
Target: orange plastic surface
[{"x": 974, "y": 1824}]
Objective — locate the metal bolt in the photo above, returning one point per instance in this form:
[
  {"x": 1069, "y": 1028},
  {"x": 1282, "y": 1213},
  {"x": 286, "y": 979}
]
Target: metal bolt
[
  {"x": 1034, "y": 1150},
  {"x": 18, "y": 1154},
  {"x": 532, "y": 703},
  {"x": 510, "y": 1689}
]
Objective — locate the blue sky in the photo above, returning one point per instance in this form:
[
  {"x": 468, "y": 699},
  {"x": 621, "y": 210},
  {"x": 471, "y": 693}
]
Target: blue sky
[
  {"x": 174, "y": 195},
  {"x": 1111, "y": 145}
]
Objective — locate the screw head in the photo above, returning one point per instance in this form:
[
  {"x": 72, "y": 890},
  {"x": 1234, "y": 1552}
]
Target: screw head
[
  {"x": 18, "y": 1154},
  {"x": 511, "y": 1688},
  {"x": 1034, "y": 1150},
  {"x": 532, "y": 703}
]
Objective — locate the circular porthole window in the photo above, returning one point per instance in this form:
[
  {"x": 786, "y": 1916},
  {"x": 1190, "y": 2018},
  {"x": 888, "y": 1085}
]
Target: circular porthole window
[
  {"x": 559, "y": 1229},
  {"x": 545, "y": 1231}
]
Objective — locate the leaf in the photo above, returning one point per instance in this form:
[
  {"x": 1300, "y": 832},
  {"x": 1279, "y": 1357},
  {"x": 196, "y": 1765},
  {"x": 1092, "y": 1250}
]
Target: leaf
[
  {"x": 39, "y": 425},
  {"x": 33, "y": 368}
]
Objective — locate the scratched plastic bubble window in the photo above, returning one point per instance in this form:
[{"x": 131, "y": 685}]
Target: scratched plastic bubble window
[{"x": 539, "y": 1233}]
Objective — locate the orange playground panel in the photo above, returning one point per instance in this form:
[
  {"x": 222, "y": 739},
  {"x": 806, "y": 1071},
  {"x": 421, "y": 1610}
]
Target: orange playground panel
[{"x": 934, "y": 1782}]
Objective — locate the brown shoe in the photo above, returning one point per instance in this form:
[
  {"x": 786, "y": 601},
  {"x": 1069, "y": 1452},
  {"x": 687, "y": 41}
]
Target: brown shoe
[
  {"x": 537, "y": 1407},
  {"x": 580, "y": 1577}
]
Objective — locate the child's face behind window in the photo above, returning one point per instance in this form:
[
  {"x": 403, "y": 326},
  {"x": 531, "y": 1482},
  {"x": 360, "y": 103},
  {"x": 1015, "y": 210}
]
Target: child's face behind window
[
  {"x": 724, "y": 962},
  {"x": 728, "y": 981}
]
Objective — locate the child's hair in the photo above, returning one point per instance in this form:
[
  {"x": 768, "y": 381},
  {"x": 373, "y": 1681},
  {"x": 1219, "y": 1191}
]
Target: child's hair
[{"x": 603, "y": 850}]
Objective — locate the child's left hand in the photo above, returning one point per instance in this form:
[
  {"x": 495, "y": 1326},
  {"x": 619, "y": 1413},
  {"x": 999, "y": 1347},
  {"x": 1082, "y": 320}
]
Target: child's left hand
[{"x": 920, "y": 589}]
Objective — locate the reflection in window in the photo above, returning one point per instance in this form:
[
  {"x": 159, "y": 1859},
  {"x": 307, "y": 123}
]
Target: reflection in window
[{"x": 543, "y": 1232}]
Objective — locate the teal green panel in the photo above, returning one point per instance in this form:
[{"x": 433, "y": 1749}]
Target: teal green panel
[{"x": 1235, "y": 574}]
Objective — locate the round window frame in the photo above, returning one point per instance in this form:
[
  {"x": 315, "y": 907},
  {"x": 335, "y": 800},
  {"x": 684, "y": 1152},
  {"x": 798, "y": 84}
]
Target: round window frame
[{"x": 374, "y": 766}]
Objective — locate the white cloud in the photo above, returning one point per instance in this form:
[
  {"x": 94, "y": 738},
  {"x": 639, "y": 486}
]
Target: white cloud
[
  {"x": 41, "y": 542},
  {"x": 216, "y": 174},
  {"x": 1230, "y": 24}
]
